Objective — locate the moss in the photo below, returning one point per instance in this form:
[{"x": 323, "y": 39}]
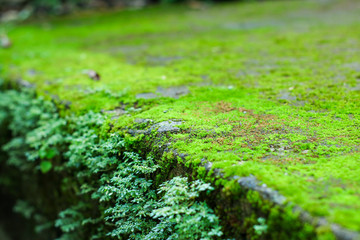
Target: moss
[
  {"x": 273, "y": 88},
  {"x": 240, "y": 210}
]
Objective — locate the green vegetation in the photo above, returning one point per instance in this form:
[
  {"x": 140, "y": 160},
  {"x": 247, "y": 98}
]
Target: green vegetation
[
  {"x": 273, "y": 92},
  {"x": 86, "y": 171},
  {"x": 261, "y": 228}
]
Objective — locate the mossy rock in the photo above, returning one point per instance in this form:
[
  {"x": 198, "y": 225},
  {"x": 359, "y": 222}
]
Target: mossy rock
[{"x": 263, "y": 96}]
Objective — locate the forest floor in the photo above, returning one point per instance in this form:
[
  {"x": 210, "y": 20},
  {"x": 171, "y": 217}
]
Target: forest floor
[{"x": 269, "y": 90}]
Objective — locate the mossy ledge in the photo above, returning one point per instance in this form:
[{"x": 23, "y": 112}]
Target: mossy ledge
[
  {"x": 238, "y": 201},
  {"x": 263, "y": 92},
  {"x": 73, "y": 180}
]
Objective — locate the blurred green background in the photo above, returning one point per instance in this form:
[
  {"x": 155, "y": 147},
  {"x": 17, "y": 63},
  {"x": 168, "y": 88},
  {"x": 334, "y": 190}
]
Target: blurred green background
[{"x": 66, "y": 6}]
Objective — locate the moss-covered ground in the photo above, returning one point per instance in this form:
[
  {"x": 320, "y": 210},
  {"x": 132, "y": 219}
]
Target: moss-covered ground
[{"x": 272, "y": 89}]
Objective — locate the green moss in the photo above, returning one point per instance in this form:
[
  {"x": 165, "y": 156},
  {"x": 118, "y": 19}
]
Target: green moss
[{"x": 273, "y": 87}]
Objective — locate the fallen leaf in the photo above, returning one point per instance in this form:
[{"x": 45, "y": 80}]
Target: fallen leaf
[
  {"x": 92, "y": 74},
  {"x": 196, "y": 5}
]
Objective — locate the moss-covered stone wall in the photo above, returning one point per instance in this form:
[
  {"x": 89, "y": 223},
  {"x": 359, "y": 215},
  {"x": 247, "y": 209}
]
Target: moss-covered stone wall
[{"x": 263, "y": 96}]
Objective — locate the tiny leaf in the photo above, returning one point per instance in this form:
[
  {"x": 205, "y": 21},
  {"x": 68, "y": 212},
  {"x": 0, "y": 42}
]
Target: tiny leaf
[{"x": 45, "y": 166}]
